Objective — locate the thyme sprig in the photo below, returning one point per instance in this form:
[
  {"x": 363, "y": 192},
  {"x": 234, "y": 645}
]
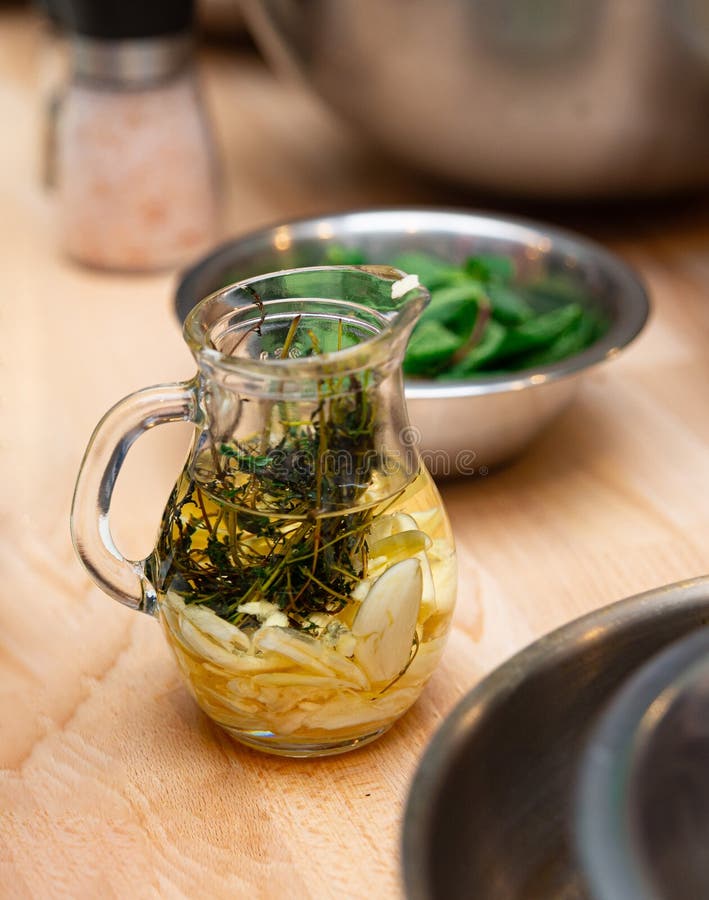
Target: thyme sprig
[{"x": 278, "y": 519}]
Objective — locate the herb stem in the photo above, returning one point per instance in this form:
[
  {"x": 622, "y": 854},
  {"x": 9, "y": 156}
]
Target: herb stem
[
  {"x": 205, "y": 514},
  {"x": 278, "y": 528},
  {"x": 329, "y": 590}
]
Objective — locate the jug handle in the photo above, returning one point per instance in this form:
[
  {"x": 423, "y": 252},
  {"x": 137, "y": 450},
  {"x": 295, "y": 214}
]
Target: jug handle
[{"x": 121, "y": 578}]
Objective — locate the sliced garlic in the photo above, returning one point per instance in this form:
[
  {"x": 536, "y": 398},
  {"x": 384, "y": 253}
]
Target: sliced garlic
[
  {"x": 344, "y": 667},
  {"x": 245, "y": 664},
  {"x": 300, "y": 648},
  {"x": 290, "y": 722},
  {"x": 346, "y": 644},
  {"x": 170, "y": 617},
  {"x": 320, "y": 620},
  {"x": 361, "y": 589},
  {"x": 349, "y": 712},
  {"x": 429, "y": 594},
  {"x": 277, "y": 618},
  {"x": 446, "y": 582},
  {"x": 385, "y": 526},
  {"x": 339, "y": 637},
  {"x": 298, "y": 679},
  {"x": 386, "y": 621},
  {"x": 218, "y": 629},
  {"x": 403, "y": 286},
  {"x": 396, "y": 537},
  {"x": 260, "y": 609},
  {"x": 400, "y": 546},
  {"x": 204, "y": 647},
  {"x": 174, "y": 600},
  {"x": 427, "y": 519},
  {"x": 237, "y": 704}
]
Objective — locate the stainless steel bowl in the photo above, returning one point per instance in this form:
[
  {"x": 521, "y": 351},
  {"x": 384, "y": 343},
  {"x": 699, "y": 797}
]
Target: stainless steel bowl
[
  {"x": 562, "y": 98},
  {"x": 643, "y": 811},
  {"x": 464, "y": 426},
  {"x": 490, "y": 809}
]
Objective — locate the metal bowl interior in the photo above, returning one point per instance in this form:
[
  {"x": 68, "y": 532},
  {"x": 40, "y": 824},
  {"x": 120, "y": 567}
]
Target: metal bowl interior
[
  {"x": 490, "y": 810},
  {"x": 643, "y": 800}
]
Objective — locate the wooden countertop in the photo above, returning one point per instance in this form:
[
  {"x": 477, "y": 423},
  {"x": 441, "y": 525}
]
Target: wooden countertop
[{"x": 112, "y": 783}]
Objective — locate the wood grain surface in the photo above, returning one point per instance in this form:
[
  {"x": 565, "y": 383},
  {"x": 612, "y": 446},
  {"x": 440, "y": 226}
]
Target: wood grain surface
[{"x": 112, "y": 783}]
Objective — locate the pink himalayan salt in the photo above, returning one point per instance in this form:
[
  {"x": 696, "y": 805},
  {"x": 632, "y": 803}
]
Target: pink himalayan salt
[{"x": 136, "y": 176}]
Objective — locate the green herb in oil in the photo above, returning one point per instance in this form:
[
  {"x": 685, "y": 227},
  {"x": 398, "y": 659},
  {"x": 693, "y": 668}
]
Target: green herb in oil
[{"x": 278, "y": 521}]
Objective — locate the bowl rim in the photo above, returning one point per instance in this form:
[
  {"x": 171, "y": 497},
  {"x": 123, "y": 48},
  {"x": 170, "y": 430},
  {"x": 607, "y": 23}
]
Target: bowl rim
[
  {"x": 492, "y": 691},
  {"x": 633, "y": 313}
]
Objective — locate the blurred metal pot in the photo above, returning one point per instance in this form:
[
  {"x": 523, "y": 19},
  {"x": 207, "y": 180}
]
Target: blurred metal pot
[
  {"x": 642, "y": 816},
  {"x": 546, "y": 98}
]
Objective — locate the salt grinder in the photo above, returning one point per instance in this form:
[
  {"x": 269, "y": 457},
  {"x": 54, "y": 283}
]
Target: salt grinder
[{"x": 135, "y": 164}]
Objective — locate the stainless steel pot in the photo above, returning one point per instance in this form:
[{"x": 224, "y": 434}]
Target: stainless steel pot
[
  {"x": 643, "y": 801},
  {"x": 490, "y": 813},
  {"x": 561, "y": 98}
]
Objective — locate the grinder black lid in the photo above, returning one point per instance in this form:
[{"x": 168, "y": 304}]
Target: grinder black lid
[{"x": 126, "y": 19}]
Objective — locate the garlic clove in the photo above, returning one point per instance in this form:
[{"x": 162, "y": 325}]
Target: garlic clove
[
  {"x": 300, "y": 679},
  {"x": 346, "y": 644},
  {"x": 261, "y": 609},
  {"x": 345, "y": 668},
  {"x": 204, "y": 648},
  {"x": 361, "y": 589},
  {"x": 385, "y": 526},
  {"x": 427, "y": 519},
  {"x": 174, "y": 600},
  {"x": 400, "y": 546},
  {"x": 320, "y": 620},
  {"x": 298, "y": 647},
  {"x": 385, "y": 623},
  {"x": 221, "y": 631}
]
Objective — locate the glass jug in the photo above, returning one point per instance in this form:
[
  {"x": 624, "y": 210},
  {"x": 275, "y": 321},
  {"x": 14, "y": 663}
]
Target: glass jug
[{"x": 304, "y": 572}]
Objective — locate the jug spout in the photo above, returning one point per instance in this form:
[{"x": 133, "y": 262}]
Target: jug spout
[{"x": 405, "y": 300}]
